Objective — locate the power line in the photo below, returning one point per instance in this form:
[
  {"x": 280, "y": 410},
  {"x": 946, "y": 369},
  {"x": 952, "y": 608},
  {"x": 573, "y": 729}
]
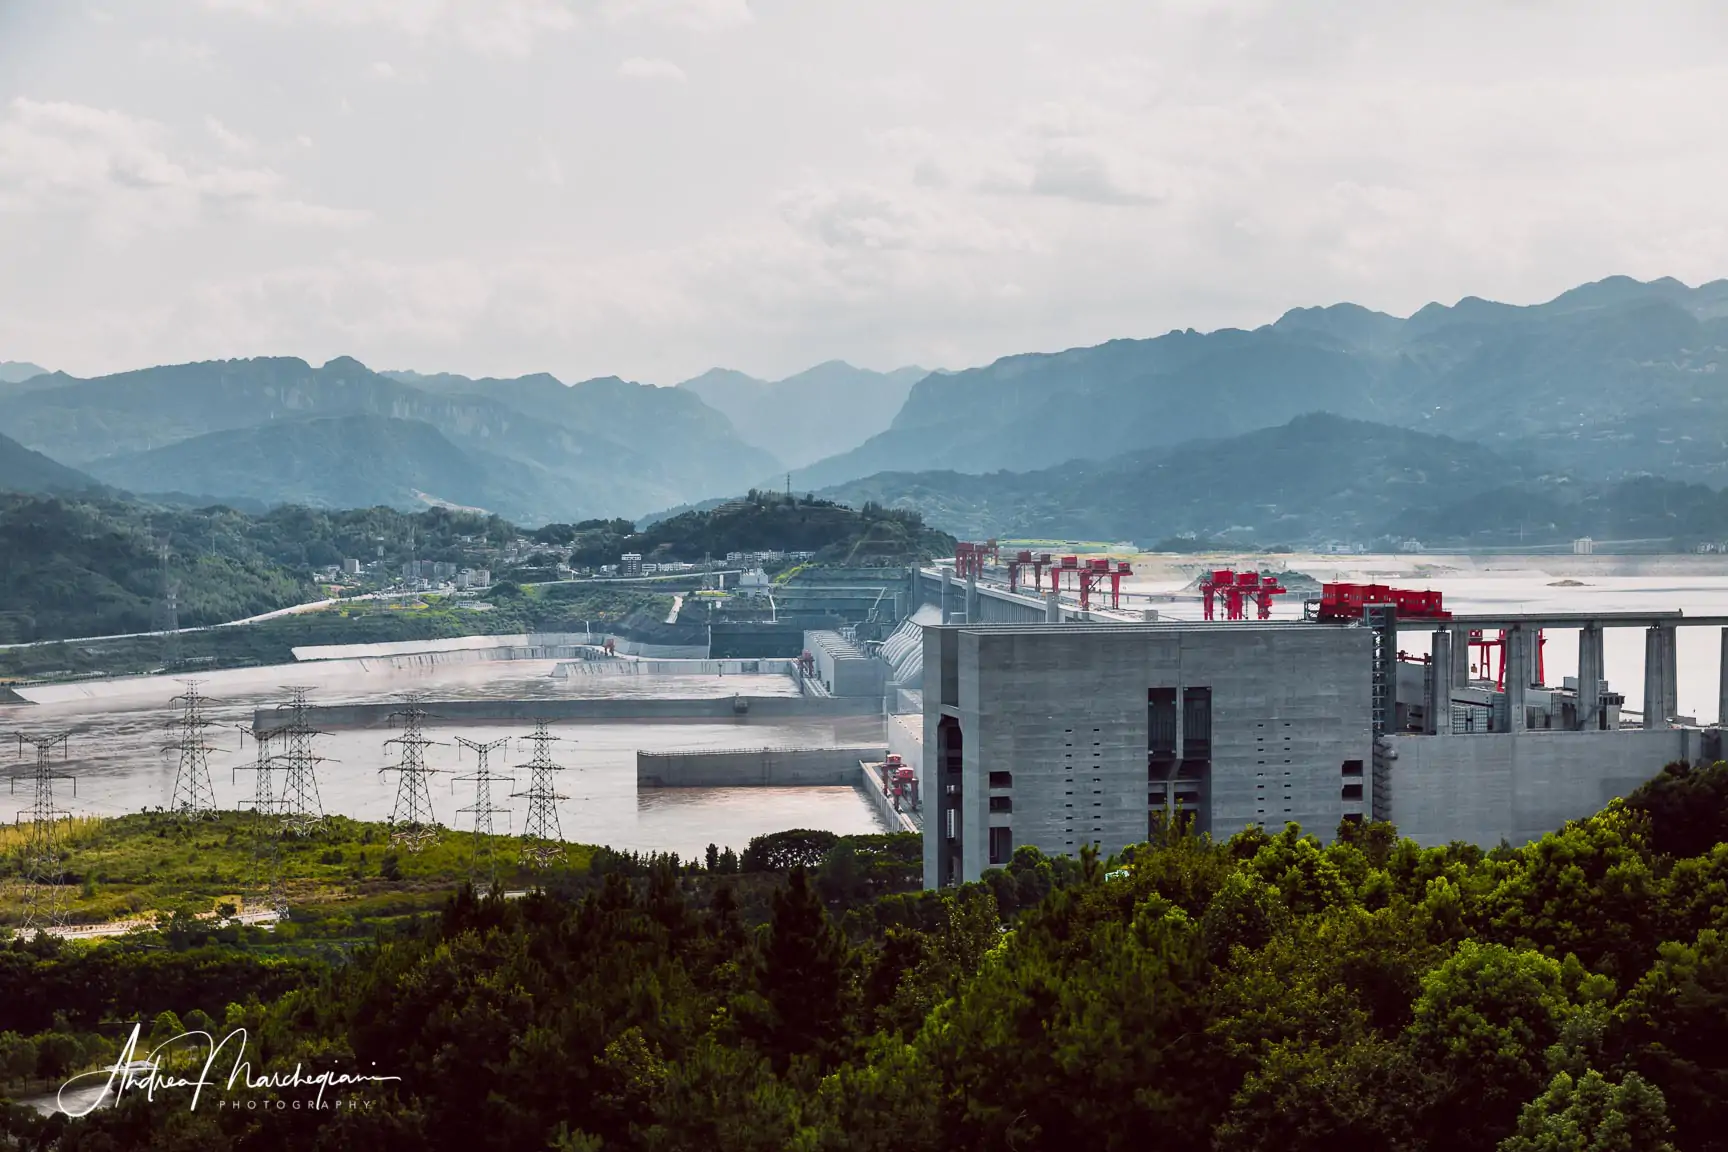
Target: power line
[
  {"x": 482, "y": 809},
  {"x": 412, "y": 823},
  {"x": 542, "y": 838},
  {"x": 43, "y": 865},
  {"x": 194, "y": 796}
]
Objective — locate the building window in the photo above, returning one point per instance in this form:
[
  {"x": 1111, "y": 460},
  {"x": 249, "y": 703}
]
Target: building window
[
  {"x": 1161, "y": 717},
  {"x": 1197, "y": 723},
  {"x": 1001, "y": 779},
  {"x": 1352, "y": 767},
  {"x": 1001, "y": 803},
  {"x": 1001, "y": 845},
  {"x": 1352, "y": 791}
]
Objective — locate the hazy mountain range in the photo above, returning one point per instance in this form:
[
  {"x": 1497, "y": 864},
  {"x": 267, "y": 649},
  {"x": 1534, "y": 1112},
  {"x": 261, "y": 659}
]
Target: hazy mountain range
[
  {"x": 18, "y": 371},
  {"x": 1335, "y": 421},
  {"x": 820, "y": 412},
  {"x": 1613, "y": 378}
]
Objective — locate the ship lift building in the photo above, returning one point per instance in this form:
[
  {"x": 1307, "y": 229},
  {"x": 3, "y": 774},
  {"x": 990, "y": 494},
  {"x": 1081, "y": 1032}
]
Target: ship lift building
[{"x": 1064, "y": 733}]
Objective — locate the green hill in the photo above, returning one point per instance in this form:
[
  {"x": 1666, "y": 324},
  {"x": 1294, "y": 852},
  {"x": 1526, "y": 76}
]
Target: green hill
[
  {"x": 22, "y": 470},
  {"x": 91, "y": 568},
  {"x": 763, "y": 522}
]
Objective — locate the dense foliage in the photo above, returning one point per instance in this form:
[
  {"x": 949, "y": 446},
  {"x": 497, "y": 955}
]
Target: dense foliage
[
  {"x": 768, "y": 521},
  {"x": 1267, "y": 992}
]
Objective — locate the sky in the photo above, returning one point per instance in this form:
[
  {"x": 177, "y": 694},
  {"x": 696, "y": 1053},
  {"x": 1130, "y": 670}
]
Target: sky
[{"x": 650, "y": 188}]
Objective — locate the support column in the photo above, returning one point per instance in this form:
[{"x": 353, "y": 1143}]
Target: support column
[
  {"x": 1533, "y": 658},
  {"x": 947, "y": 593},
  {"x": 1653, "y": 679},
  {"x": 972, "y": 613},
  {"x": 1439, "y": 709},
  {"x": 1589, "y": 678},
  {"x": 1670, "y": 672},
  {"x": 1053, "y": 607},
  {"x": 1460, "y": 657},
  {"x": 1722, "y": 685},
  {"x": 1517, "y": 675}
]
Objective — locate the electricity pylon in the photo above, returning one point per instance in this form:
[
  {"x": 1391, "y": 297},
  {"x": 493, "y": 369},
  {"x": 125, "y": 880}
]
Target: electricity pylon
[
  {"x": 541, "y": 837},
  {"x": 482, "y": 809},
  {"x": 43, "y": 863},
  {"x": 268, "y": 825},
  {"x": 194, "y": 796},
  {"x": 412, "y": 823},
  {"x": 298, "y": 805}
]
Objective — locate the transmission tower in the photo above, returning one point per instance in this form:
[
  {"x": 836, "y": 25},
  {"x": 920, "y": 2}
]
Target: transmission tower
[
  {"x": 168, "y": 607},
  {"x": 412, "y": 824},
  {"x": 43, "y": 862},
  {"x": 194, "y": 796},
  {"x": 542, "y": 838},
  {"x": 482, "y": 809},
  {"x": 268, "y": 826},
  {"x": 298, "y": 804}
]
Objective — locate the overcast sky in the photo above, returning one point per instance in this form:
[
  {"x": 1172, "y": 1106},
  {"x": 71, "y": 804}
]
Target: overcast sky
[{"x": 653, "y": 187}]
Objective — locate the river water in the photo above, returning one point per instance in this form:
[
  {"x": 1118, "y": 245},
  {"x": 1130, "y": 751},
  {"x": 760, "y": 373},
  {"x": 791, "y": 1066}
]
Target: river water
[
  {"x": 1697, "y": 586},
  {"x": 118, "y": 727},
  {"x": 118, "y": 730}
]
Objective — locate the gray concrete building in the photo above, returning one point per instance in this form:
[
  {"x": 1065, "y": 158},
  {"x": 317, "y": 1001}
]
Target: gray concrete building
[
  {"x": 1060, "y": 736},
  {"x": 843, "y": 667},
  {"x": 1066, "y": 734}
]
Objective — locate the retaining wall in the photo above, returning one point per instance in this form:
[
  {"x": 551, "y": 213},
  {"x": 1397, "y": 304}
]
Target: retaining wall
[
  {"x": 870, "y": 784},
  {"x": 756, "y": 767}
]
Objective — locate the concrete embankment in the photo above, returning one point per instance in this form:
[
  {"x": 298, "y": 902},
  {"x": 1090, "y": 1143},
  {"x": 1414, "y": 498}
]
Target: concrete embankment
[
  {"x": 573, "y": 669},
  {"x": 475, "y": 649},
  {"x": 752, "y": 767},
  {"x": 605, "y": 710},
  {"x": 870, "y": 783}
]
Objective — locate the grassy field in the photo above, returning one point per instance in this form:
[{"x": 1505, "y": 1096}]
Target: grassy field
[{"x": 140, "y": 865}]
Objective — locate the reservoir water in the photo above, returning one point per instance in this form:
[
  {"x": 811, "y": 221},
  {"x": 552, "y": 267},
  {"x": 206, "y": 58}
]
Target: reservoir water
[
  {"x": 118, "y": 731},
  {"x": 118, "y": 727}
]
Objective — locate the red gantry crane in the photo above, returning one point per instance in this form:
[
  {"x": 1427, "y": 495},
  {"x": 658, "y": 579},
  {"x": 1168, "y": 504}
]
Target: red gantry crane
[{"x": 1238, "y": 590}]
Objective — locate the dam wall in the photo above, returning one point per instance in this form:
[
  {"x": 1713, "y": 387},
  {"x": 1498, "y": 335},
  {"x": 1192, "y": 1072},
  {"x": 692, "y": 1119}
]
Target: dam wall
[
  {"x": 478, "y": 649},
  {"x": 753, "y": 767},
  {"x": 865, "y": 712}
]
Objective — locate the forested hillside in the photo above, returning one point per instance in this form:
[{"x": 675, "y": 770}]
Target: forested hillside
[
  {"x": 1264, "y": 994},
  {"x": 761, "y": 522},
  {"x": 76, "y": 568}
]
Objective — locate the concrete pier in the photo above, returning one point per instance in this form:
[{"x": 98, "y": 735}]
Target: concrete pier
[
  {"x": 1438, "y": 708},
  {"x": 1722, "y": 685},
  {"x": 947, "y": 595},
  {"x": 1661, "y": 676},
  {"x": 1053, "y": 608},
  {"x": 1518, "y": 643},
  {"x": 1460, "y": 657},
  {"x": 1590, "y": 664},
  {"x": 972, "y": 613}
]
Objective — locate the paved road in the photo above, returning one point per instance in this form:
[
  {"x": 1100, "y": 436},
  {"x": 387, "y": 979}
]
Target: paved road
[{"x": 292, "y": 610}]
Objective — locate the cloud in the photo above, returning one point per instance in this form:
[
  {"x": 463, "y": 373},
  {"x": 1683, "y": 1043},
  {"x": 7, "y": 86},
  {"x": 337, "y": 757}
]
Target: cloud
[
  {"x": 383, "y": 69},
  {"x": 231, "y": 140},
  {"x": 493, "y": 27},
  {"x": 644, "y": 68},
  {"x": 689, "y": 15},
  {"x": 115, "y": 172},
  {"x": 175, "y": 50}
]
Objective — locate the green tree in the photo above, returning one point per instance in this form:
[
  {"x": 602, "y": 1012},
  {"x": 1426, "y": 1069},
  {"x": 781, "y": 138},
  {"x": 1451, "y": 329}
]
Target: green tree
[
  {"x": 1483, "y": 1021},
  {"x": 806, "y": 975},
  {"x": 1593, "y": 1115}
]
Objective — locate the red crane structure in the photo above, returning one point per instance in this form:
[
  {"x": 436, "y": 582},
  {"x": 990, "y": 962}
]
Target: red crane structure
[
  {"x": 1484, "y": 646},
  {"x": 1238, "y": 590},
  {"x": 1346, "y": 601},
  {"x": 1090, "y": 578},
  {"x": 970, "y": 557},
  {"x": 1037, "y": 562}
]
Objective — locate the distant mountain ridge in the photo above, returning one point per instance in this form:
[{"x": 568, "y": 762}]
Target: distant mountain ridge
[
  {"x": 1316, "y": 477},
  {"x": 819, "y": 412},
  {"x": 546, "y": 452},
  {"x": 18, "y": 371},
  {"x": 1611, "y": 378}
]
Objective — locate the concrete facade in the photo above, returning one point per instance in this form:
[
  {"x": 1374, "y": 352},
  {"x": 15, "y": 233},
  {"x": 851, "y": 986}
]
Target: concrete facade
[
  {"x": 1064, "y": 735},
  {"x": 844, "y": 668},
  {"x": 758, "y": 767},
  {"x": 1517, "y": 786}
]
